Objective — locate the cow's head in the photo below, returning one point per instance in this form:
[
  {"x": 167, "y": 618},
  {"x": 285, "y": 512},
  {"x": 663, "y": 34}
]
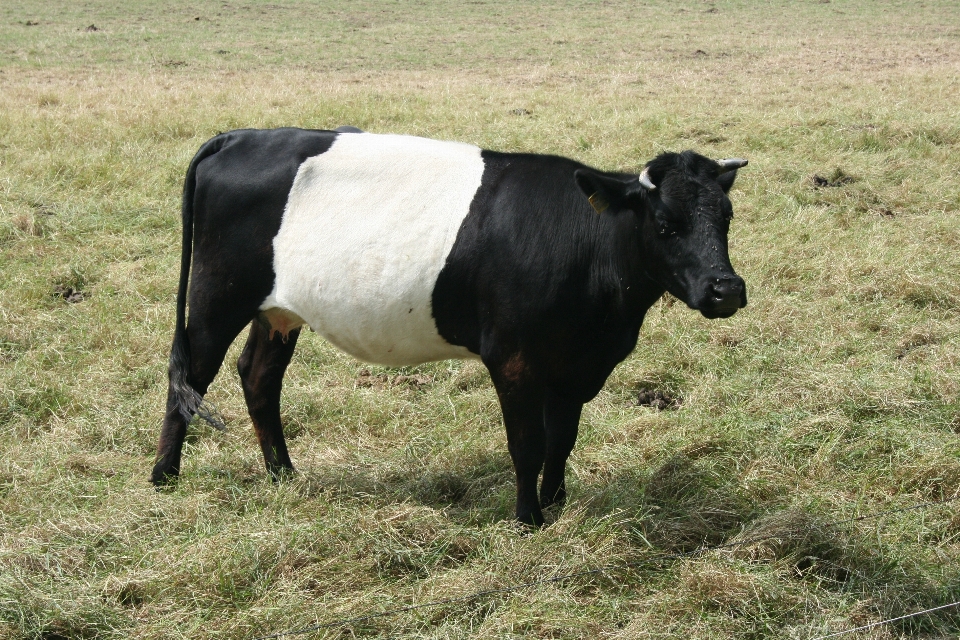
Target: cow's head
[{"x": 682, "y": 210}]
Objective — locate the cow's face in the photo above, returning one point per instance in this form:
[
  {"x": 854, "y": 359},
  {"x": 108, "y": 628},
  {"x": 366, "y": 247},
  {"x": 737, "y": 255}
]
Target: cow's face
[{"x": 682, "y": 210}]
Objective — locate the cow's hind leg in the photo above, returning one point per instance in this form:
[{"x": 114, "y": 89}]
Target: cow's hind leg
[
  {"x": 207, "y": 345},
  {"x": 561, "y": 419},
  {"x": 169, "y": 449},
  {"x": 261, "y": 368}
]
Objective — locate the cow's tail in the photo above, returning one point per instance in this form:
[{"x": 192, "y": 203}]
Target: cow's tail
[{"x": 189, "y": 401}]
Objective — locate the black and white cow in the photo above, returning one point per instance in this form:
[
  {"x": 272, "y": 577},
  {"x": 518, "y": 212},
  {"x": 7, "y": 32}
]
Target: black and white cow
[{"x": 402, "y": 250}]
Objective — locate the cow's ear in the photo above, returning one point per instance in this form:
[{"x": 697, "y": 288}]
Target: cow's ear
[
  {"x": 725, "y": 180},
  {"x": 606, "y": 193}
]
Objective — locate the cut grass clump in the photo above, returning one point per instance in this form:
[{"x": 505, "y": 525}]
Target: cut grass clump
[
  {"x": 802, "y": 543},
  {"x": 414, "y": 542},
  {"x": 693, "y": 502}
]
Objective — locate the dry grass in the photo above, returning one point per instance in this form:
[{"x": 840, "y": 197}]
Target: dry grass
[{"x": 834, "y": 393}]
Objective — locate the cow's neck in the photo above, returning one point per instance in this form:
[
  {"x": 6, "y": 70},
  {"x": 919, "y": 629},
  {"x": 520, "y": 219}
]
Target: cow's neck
[{"x": 635, "y": 290}]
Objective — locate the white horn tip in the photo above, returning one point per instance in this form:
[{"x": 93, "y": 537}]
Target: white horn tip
[
  {"x": 645, "y": 181},
  {"x": 728, "y": 164}
]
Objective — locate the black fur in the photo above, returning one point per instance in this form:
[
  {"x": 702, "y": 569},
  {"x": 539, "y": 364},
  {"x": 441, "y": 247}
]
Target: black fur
[
  {"x": 551, "y": 294},
  {"x": 534, "y": 260}
]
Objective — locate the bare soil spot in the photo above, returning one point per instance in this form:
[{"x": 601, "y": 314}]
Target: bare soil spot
[
  {"x": 68, "y": 293},
  {"x": 913, "y": 342},
  {"x": 726, "y": 340},
  {"x": 383, "y": 380},
  {"x": 659, "y": 400},
  {"x": 837, "y": 178}
]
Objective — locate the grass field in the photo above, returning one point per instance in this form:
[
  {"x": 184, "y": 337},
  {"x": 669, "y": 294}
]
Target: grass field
[{"x": 835, "y": 393}]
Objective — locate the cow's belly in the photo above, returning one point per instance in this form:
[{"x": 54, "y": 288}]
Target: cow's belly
[{"x": 366, "y": 230}]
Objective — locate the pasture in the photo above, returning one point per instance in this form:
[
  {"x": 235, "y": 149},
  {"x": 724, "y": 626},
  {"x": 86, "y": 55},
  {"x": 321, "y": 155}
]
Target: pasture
[{"x": 835, "y": 393}]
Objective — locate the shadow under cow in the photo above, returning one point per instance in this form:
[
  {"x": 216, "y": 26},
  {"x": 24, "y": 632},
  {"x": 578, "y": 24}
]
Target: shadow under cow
[{"x": 478, "y": 490}]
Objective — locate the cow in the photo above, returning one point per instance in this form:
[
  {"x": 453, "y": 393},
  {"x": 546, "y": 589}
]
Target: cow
[{"x": 402, "y": 250}]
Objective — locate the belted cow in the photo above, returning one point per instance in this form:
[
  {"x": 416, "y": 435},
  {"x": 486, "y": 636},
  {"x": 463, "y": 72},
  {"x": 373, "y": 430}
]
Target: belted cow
[{"x": 402, "y": 250}]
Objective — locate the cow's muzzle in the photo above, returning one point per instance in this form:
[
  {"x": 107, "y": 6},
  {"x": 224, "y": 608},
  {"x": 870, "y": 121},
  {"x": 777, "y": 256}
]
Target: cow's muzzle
[{"x": 723, "y": 297}]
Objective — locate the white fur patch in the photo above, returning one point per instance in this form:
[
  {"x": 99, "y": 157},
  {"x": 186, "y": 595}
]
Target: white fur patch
[{"x": 367, "y": 229}]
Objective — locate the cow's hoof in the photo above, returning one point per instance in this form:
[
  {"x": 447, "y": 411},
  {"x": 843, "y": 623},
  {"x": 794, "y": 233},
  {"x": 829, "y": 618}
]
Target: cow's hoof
[
  {"x": 556, "y": 502},
  {"x": 530, "y": 522},
  {"x": 163, "y": 479},
  {"x": 279, "y": 474}
]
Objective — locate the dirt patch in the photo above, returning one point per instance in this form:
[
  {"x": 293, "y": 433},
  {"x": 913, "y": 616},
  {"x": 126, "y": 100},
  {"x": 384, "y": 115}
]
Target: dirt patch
[
  {"x": 726, "y": 340},
  {"x": 383, "y": 380},
  {"x": 913, "y": 342},
  {"x": 659, "y": 400},
  {"x": 68, "y": 294},
  {"x": 837, "y": 178}
]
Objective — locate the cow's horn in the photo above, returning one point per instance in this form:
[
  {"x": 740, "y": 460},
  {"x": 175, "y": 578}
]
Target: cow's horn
[
  {"x": 729, "y": 164},
  {"x": 645, "y": 180}
]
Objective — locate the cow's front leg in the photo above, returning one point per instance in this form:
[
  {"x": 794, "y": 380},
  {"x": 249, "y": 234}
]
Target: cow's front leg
[
  {"x": 521, "y": 400},
  {"x": 561, "y": 419}
]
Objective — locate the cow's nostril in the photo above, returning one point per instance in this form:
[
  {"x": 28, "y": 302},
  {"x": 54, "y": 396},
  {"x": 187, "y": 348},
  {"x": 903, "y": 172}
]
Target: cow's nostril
[{"x": 726, "y": 290}]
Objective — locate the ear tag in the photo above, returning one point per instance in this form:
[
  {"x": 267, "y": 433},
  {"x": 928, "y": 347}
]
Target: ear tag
[{"x": 599, "y": 203}]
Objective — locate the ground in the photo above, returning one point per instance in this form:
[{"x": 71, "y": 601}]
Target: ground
[{"x": 834, "y": 394}]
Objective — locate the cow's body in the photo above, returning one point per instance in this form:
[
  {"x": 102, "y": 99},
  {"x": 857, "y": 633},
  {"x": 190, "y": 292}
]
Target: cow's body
[
  {"x": 402, "y": 250},
  {"x": 360, "y": 271}
]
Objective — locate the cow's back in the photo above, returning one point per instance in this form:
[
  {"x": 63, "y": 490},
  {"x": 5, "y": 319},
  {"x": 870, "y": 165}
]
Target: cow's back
[{"x": 366, "y": 230}]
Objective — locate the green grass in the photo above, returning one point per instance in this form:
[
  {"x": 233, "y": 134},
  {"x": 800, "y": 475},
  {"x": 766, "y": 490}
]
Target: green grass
[{"x": 834, "y": 393}]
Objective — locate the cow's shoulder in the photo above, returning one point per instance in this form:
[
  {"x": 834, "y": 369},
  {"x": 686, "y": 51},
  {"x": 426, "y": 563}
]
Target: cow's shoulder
[{"x": 530, "y": 253}]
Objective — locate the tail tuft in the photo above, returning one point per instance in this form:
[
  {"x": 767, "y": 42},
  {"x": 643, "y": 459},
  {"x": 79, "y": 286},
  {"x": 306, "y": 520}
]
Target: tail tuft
[{"x": 189, "y": 401}]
